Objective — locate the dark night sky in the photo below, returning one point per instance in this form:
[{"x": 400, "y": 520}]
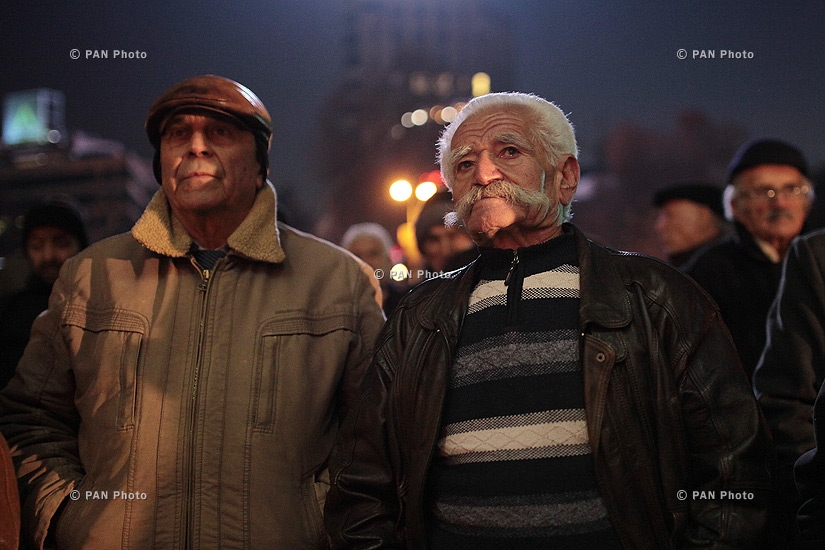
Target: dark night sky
[{"x": 604, "y": 64}]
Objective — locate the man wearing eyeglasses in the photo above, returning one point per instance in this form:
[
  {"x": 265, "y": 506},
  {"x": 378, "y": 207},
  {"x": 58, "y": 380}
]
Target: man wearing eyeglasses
[{"x": 768, "y": 197}]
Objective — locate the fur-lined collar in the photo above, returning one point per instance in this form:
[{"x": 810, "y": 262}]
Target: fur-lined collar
[{"x": 256, "y": 238}]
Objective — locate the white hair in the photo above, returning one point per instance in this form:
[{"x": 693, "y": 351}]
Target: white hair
[
  {"x": 367, "y": 229},
  {"x": 549, "y": 129}
]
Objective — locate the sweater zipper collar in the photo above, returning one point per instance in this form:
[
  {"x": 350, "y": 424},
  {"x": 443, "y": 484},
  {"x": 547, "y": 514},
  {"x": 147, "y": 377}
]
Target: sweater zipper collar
[{"x": 514, "y": 282}]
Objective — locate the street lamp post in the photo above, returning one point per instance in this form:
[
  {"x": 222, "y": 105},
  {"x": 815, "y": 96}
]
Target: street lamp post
[{"x": 402, "y": 191}]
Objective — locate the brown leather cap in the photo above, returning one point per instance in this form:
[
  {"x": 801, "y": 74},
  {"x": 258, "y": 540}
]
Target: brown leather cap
[
  {"x": 216, "y": 94},
  {"x": 210, "y": 93}
]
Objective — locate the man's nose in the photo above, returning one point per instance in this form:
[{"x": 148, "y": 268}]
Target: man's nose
[
  {"x": 486, "y": 169},
  {"x": 198, "y": 144},
  {"x": 49, "y": 252}
]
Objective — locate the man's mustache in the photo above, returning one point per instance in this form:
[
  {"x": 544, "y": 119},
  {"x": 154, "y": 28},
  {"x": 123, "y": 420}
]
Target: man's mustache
[
  {"x": 503, "y": 189},
  {"x": 777, "y": 214}
]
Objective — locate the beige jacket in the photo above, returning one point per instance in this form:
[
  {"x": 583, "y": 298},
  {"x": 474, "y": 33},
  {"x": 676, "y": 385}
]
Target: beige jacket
[{"x": 162, "y": 407}]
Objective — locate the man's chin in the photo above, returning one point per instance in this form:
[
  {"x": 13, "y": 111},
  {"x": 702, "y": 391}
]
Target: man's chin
[{"x": 49, "y": 276}]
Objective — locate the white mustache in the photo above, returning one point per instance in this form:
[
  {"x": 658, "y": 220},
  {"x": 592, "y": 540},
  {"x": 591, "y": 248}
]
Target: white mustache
[{"x": 502, "y": 189}]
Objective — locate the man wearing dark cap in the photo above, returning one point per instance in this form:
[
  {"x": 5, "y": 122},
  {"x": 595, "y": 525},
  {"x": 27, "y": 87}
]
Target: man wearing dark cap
[
  {"x": 444, "y": 247},
  {"x": 186, "y": 383},
  {"x": 52, "y": 233},
  {"x": 690, "y": 215},
  {"x": 767, "y": 197}
]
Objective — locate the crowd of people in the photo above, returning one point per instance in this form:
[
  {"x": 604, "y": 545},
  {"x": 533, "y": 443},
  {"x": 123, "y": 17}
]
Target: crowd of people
[{"x": 215, "y": 378}]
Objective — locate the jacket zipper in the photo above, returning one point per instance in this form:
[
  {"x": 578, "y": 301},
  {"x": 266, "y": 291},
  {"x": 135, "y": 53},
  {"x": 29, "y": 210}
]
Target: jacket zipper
[
  {"x": 514, "y": 281},
  {"x": 191, "y": 459}
]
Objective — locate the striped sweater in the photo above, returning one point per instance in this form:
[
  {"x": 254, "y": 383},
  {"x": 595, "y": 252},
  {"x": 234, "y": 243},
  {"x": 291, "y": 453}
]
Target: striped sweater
[{"x": 514, "y": 466}]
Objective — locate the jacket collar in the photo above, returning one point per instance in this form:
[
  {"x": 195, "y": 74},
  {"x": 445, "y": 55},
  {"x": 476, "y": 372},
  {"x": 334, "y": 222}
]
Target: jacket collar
[
  {"x": 604, "y": 299},
  {"x": 747, "y": 242},
  {"x": 257, "y": 237}
]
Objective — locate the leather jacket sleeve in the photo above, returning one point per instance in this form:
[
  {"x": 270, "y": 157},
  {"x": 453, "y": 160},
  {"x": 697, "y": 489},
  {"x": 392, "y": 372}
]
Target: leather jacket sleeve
[
  {"x": 681, "y": 449},
  {"x": 729, "y": 448},
  {"x": 362, "y": 484},
  {"x": 809, "y": 473},
  {"x": 791, "y": 369}
]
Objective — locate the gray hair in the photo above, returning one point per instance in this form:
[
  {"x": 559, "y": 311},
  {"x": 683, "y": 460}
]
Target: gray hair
[
  {"x": 367, "y": 229},
  {"x": 550, "y": 129}
]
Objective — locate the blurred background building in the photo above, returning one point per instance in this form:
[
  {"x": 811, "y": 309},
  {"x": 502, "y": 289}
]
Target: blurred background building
[
  {"x": 408, "y": 67},
  {"x": 40, "y": 157},
  {"x": 359, "y": 91}
]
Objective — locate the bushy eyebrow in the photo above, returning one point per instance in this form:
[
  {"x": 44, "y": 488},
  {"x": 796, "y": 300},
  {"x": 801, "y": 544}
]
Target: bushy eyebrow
[
  {"x": 513, "y": 138},
  {"x": 457, "y": 154}
]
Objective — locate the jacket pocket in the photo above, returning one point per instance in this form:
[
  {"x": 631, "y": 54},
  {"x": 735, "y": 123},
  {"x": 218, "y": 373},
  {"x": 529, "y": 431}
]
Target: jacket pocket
[
  {"x": 309, "y": 351},
  {"x": 105, "y": 347}
]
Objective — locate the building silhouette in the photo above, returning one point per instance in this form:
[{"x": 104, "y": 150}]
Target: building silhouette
[
  {"x": 401, "y": 57},
  {"x": 110, "y": 185}
]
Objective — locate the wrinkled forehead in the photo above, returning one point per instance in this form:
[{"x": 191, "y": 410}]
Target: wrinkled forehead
[{"x": 492, "y": 124}]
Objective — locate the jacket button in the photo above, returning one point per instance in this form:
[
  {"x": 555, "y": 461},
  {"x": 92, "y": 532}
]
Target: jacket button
[{"x": 601, "y": 357}]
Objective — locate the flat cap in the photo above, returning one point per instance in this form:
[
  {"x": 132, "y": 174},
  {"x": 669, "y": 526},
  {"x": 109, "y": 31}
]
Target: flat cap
[
  {"x": 210, "y": 93},
  {"x": 701, "y": 193},
  {"x": 766, "y": 151}
]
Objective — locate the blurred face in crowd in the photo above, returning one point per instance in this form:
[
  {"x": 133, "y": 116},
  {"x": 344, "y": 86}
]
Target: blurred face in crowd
[
  {"x": 683, "y": 225},
  {"x": 371, "y": 250},
  {"x": 442, "y": 243},
  {"x": 771, "y": 201},
  {"x": 47, "y": 248},
  {"x": 504, "y": 193},
  {"x": 209, "y": 167}
]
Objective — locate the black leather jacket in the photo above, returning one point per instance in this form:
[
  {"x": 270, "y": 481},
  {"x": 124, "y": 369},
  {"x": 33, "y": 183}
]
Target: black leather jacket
[{"x": 668, "y": 407}]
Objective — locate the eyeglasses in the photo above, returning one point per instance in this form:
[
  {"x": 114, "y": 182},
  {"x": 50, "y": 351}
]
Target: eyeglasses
[{"x": 768, "y": 193}]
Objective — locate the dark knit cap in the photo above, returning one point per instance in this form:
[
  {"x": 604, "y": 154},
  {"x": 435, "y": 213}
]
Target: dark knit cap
[
  {"x": 56, "y": 213},
  {"x": 432, "y": 214},
  {"x": 701, "y": 193},
  {"x": 766, "y": 151}
]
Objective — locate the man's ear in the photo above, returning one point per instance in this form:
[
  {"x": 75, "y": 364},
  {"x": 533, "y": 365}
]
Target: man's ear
[{"x": 570, "y": 175}]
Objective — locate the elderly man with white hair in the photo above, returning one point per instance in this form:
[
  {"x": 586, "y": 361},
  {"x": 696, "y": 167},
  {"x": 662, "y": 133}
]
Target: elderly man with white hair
[
  {"x": 554, "y": 393},
  {"x": 372, "y": 243}
]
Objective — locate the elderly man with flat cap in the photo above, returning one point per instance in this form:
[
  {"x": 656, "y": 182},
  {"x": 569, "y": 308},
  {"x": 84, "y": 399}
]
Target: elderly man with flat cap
[
  {"x": 185, "y": 385},
  {"x": 689, "y": 216},
  {"x": 767, "y": 198}
]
